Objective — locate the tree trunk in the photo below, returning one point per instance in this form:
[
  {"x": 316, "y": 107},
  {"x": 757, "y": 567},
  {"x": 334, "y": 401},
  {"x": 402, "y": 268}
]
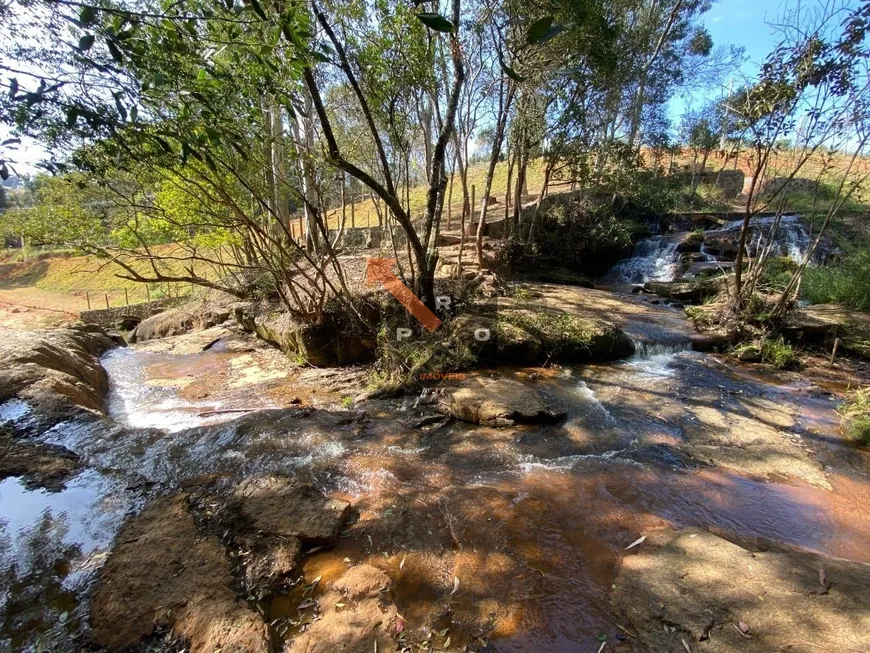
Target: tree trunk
[{"x": 504, "y": 110}]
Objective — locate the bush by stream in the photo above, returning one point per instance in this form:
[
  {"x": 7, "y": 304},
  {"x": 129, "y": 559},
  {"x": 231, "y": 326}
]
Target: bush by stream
[
  {"x": 587, "y": 235},
  {"x": 846, "y": 282}
]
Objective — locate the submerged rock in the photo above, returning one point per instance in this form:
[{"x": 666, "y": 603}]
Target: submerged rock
[
  {"x": 164, "y": 573},
  {"x": 40, "y": 465},
  {"x": 497, "y": 402},
  {"x": 355, "y": 616},
  {"x": 720, "y": 597}
]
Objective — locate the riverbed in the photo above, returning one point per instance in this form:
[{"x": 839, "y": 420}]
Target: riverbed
[{"x": 510, "y": 536}]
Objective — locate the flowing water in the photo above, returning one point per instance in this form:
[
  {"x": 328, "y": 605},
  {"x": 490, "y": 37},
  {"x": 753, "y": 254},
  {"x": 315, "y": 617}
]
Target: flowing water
[
  {"x": 659, "y": 259},
  {"x": 532, "y": 519}
]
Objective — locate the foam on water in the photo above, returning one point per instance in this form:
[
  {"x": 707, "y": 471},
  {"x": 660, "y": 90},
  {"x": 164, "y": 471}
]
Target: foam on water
[
  {"x": 135, "y": 402},
  {"x": 13, "y": 410},
  {"x": 654, "y": 259}
]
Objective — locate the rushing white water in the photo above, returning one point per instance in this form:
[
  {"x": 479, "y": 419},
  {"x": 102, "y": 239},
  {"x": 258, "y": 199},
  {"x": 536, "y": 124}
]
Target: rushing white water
[
  {"x": 136, "y": 401},
  {"x": 657, "y": 258},
  {"x": 791, "y": 238},
  {"x": 654, "y": 259}
]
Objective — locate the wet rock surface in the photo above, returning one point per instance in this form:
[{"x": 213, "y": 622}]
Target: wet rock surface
[
  {"x": 165, "y": 573},
  {"x": 278, "y": 506},
  {"x": 462, "y": 536},
  {"x": 722, "y": 596},
  {"x": 55, "y": 371},
  {"x": 356, "y": 616},
  {"x": 39, "y": 465},
  {"x": 497, "y": 402}
]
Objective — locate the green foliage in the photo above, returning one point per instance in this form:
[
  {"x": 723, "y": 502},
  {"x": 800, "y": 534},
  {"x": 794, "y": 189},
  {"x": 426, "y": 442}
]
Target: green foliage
[
  {"x": 402, "y": 364},
  {"x": 777, "y": 272},
  {"x": 779, "y": 353},
  {"x": 855, "y": 416},
  {"x": 846, "y": 282},
  {"x": 580, "y": 235},
  {"x": 66, "y": 209}
]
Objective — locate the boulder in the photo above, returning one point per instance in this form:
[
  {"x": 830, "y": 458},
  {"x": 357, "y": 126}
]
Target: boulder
[
  {"x": 496, "y": 402},
  {"x": 322, "y": 345},
  {"x": 164, "y": 573},
  {"x": 701, "y": 592},
  {"x": 55, "y": 372},
  {"x": 688, "y": 291},
  {"x": 689, "y": 242},
  {"x": 184, "y": 319}
]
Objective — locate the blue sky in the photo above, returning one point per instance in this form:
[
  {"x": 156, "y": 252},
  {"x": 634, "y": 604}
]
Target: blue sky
[{"x": 744, "y": 23}]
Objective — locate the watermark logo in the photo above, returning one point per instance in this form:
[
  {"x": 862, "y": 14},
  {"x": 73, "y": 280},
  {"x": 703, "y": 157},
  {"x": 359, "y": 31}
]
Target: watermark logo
[{"x": 378, "y": 271}]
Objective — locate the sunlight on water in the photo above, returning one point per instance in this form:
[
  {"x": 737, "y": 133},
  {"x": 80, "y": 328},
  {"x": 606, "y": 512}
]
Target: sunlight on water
[{"x": 134, "y": 402}]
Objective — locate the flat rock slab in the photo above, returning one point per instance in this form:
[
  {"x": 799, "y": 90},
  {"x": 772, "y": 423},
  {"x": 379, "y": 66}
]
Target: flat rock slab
[
  {"x": 164, "y": 573},
  {"x": 496, "y": 402},
  {"x": 722, "y": 598},
  {"x": 279, "y": 507},
  {"x": 356, "y": 616}
]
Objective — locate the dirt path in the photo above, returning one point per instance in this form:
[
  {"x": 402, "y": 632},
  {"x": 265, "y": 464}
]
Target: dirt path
[{"x": 30, "y": 308}]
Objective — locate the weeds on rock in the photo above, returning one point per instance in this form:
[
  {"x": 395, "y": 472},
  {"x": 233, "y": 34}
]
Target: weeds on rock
[
  {"x": 779, "y": 353},
  {"x": 855, "y": 417}
]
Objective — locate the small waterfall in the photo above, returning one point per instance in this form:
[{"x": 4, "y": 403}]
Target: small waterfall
[
  {"x": 654, "y": 259},
  {"x": 792, "y": 239}
]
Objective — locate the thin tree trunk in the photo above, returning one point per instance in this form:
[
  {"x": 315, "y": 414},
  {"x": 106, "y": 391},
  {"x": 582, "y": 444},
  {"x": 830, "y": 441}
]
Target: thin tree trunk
[{"x": 504, "y": 109}]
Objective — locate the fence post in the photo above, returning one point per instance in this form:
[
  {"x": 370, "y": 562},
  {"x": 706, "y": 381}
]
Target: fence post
[
  {"x": 148, "y": 293},
  {"x": 88, "y": 297},
  {"x": 107, "y": 300},
  {"x": 126, "y": 297}
]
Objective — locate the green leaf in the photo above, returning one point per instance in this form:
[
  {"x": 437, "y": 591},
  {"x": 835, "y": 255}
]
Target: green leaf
[
  {"x": 86, "y": 42},
  {"x": 436, "y": 22},
  {"x": 510, "y": 72},
  {"x": 86, "y": 17},
  {"x": 115, "y": 52},
  {"x": 538, "y": 29}
]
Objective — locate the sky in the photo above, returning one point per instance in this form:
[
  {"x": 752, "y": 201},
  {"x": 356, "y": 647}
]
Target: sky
[{"x": 744, "y": 23}]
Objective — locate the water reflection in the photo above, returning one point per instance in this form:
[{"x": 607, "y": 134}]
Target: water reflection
[{"x": 51, "y": 543}]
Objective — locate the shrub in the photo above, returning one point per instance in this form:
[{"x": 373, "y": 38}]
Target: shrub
[
  {"x": 777, "y": 272},
  {"x": 855, "y": 417},
  {"x": 847, "y": 282},
  {"x": 779, "y": 353}
]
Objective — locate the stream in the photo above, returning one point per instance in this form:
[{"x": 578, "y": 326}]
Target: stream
[{"x": 532, "y": 519}]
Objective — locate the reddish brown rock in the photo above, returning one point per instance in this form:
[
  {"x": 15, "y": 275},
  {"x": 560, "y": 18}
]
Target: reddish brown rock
[{"x": 164, "y": 573}]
